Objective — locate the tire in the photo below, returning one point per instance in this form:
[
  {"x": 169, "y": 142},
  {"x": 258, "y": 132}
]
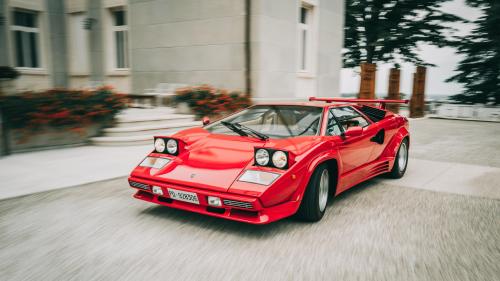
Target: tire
[
  {"x": 399, "y": 168},
  {"x": 314, "y": 203}
]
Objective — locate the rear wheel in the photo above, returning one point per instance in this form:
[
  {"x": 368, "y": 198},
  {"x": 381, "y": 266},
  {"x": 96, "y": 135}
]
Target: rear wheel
[
  {"x": 313, "y": 205},
  {"x": 401, "y": 162}
]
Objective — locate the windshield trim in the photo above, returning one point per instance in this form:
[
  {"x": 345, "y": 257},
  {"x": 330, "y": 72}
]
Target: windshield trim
[{"x": 318, "y": 133}]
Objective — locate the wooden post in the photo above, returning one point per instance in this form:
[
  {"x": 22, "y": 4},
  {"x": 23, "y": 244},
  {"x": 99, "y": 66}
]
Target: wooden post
[
  {"x": 393, "y": 91},
  {"x": 367, "y": 83},
  {"x": 417, "y": 102}
]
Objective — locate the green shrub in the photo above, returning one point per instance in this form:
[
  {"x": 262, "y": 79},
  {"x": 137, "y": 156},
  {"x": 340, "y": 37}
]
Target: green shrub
[
  {"x": 209, "y": 101},
  {"x": 73, "y": 109}
]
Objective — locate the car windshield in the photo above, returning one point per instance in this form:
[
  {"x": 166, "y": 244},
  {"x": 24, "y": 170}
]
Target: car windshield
[{"x": 274, "y": 121}]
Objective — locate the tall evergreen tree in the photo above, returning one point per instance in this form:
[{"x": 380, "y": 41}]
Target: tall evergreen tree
[
  {"x": 479, "y": 71},
  {"x": 390, "y": 30}
]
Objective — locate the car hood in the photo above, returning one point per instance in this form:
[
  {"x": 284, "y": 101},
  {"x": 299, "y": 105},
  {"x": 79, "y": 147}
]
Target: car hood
[{"x": 213, "y": 161}]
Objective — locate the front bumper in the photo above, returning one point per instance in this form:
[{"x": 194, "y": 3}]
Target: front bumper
[{"x": 257, "y": 214}]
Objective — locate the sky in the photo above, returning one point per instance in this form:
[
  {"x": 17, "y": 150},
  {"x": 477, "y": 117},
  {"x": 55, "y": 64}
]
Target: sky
[{"x": 445, "y": 60}]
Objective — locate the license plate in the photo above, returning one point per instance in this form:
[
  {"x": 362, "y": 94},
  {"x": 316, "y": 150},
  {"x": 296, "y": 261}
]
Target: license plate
[{"x": 185, "y": 196}]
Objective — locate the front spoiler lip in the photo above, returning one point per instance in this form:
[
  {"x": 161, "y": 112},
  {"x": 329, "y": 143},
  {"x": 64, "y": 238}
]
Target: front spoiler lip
[{"x": 263, "y": 215}]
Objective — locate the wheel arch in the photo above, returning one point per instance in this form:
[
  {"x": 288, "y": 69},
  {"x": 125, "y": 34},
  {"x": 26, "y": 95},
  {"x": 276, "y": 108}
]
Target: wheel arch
[{"x": 333, "y": 167}]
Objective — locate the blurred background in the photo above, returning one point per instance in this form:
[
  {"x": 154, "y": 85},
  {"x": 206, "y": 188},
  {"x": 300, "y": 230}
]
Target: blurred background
[
  {"x": 438, "y": 53},
  {"x": 86, "y": 84}
]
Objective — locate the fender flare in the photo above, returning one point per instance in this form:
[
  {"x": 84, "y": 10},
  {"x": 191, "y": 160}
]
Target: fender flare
[
  {"x": 331, "y": 155},
  {"x": 392, "y": 147}
]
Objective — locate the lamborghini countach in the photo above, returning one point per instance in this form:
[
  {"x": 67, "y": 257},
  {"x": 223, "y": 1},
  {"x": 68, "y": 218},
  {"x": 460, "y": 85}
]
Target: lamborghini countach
[{"x": 272, "y": 161}]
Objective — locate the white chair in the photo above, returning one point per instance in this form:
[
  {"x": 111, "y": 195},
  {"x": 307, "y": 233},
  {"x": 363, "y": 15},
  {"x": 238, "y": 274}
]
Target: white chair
[{"x": 164, "y": 92}]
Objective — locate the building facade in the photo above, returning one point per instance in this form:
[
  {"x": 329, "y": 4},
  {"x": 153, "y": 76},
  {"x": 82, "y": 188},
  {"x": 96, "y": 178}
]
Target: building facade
[{"x": 279, "y": 49}]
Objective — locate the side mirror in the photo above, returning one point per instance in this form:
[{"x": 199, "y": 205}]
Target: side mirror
[
  {"x": 205, "y": 120},
  {"x": 353, "y": 132}
]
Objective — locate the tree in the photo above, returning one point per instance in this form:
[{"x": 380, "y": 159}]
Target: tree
[
  {"x": 479, "y": 71},
  {"x": 390, "y": 30}
]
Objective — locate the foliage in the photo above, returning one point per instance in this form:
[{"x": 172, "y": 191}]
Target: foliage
[
  {"x": 391, "y": 30},
  {"x": 73, "y": 109},
  {"x": 206, "y": 100},
  {"x": 7, "y": 72},
  {"x": 479, "y": 71}
]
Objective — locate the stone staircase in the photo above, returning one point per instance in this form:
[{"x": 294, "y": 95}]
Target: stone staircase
[{"x": 137, "y": 126}]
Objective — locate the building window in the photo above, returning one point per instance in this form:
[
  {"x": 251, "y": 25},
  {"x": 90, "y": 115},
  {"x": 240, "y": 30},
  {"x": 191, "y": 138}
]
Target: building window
[
  {"x": 305, "y": 38},
  {"x": 25, "y": 33},
  {"x": 120, "y": 34}
]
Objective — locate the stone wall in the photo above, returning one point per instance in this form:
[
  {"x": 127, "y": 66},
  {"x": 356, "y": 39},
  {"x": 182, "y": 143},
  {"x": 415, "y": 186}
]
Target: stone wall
[{"x": 187, "y": 41}]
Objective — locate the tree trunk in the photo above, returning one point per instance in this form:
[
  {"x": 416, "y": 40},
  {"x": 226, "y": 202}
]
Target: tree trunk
[
  {"x": 417, "y": 102},
  {"x": 367, "y": 83},
  {"x": 393, "y": 91}
]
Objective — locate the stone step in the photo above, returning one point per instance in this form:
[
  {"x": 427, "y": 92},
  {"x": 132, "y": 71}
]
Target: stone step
[
  {"x": 154, "y": 129},
  {"x": 152, "y": 120},
  {"x": 123, "y": 141},
  {"x": 149, "y": 111}
]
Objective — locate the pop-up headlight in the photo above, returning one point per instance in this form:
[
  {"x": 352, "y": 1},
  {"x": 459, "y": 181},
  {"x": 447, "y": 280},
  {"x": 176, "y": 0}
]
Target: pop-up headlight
[
  {"x": 271, "y": 158},
  {"x": 166, "y": 145}
]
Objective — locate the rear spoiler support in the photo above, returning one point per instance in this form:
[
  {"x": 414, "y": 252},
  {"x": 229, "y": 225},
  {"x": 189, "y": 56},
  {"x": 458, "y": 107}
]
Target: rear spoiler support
[{"x": 382, "y": 102}]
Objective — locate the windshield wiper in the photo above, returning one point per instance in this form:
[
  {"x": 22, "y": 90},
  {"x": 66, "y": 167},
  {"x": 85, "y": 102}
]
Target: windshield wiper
[
  {"x": 233, "y": 128},
  {"x": 251, "y": 131}
]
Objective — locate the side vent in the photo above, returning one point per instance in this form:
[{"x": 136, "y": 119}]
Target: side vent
[
  {"x": 380, "y": 168},
  {"x": 375, "y": 114}
]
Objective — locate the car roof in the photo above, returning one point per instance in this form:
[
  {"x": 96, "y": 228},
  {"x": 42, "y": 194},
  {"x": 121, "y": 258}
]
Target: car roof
[{"x": 308, "y": 103}]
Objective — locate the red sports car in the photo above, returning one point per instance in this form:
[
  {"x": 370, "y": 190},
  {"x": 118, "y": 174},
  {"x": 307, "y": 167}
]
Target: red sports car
[{"x": 271, "y": 161}]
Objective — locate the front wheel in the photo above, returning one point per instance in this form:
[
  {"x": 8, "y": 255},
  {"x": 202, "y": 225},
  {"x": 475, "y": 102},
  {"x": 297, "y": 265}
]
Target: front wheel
[
  {"x": 401, "y": 162},
  {"x": 313, "y": 205}
]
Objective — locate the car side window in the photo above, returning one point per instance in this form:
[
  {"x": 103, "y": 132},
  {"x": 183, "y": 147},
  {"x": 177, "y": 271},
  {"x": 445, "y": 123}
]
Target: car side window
[
  {"x": 348, "y": 117},
  {"x": 332, "y": 127}
]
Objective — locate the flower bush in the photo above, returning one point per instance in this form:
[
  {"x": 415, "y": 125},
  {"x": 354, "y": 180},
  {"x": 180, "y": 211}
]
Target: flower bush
[
  {"x": 207, "y": 100},
  {"x": 71, "y": 109}
]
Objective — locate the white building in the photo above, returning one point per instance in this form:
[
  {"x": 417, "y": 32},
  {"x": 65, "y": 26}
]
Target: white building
[{"x": 277, "y": 48}]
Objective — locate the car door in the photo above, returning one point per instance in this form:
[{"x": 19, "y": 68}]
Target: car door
[{"x": 354, "y": 151}]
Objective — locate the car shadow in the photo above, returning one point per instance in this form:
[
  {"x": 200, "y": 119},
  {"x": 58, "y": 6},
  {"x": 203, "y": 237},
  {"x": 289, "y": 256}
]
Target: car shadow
[{"x": 249, "y": 231}]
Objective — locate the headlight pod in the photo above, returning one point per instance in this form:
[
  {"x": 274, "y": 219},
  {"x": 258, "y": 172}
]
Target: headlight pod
[
  {"x": 271, "y": 158},
  {"x": 160, "y": 145},
  {"x": 261, "y": 157},
  {"x": 172, "y": 146},
  {"x": 280, "y": 159},
  {"x": 166, "y": 145}
]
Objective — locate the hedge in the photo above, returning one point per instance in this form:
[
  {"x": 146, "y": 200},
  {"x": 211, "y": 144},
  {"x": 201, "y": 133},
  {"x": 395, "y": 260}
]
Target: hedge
[
  {"x": 73, "y": 109},
  {"x": 207, "y": 100}
]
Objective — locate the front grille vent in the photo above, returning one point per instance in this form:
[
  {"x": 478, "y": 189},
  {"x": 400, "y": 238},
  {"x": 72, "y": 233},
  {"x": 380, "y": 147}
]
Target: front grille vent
[
  {"x": 238, "y": 204},
  {"x": 139, "y": 185}
]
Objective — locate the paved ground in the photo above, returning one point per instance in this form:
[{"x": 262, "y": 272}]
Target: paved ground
[
  {"x": 53, "y": 169},
  {"x": 381, "y": 230},
  {"x": 375, "y": 232},
  {"x": 465, "y": 142}
]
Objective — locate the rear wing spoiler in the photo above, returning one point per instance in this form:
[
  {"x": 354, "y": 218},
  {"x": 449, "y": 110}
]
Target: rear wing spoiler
[{"x": 350, "y": 100}]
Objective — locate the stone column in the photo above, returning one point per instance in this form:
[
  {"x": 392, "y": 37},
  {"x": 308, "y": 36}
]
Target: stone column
[
  {"x": 95, "y": 28},
  {"x": 367, "y": 83},
  {"x": 417, "y": 102},
  {"x": 4, "y": 46},
  {"x": 58, "y": 43},
  {"x": 393, "y": 91}
]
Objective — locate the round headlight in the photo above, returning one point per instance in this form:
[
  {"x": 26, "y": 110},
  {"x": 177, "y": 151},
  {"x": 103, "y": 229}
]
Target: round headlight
[
  {"x": 159, "y": 145},
  {"x": 172, "y": 146},
  {"x": 279, "y": 159},
  {"x": 262, "y": 157}
]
